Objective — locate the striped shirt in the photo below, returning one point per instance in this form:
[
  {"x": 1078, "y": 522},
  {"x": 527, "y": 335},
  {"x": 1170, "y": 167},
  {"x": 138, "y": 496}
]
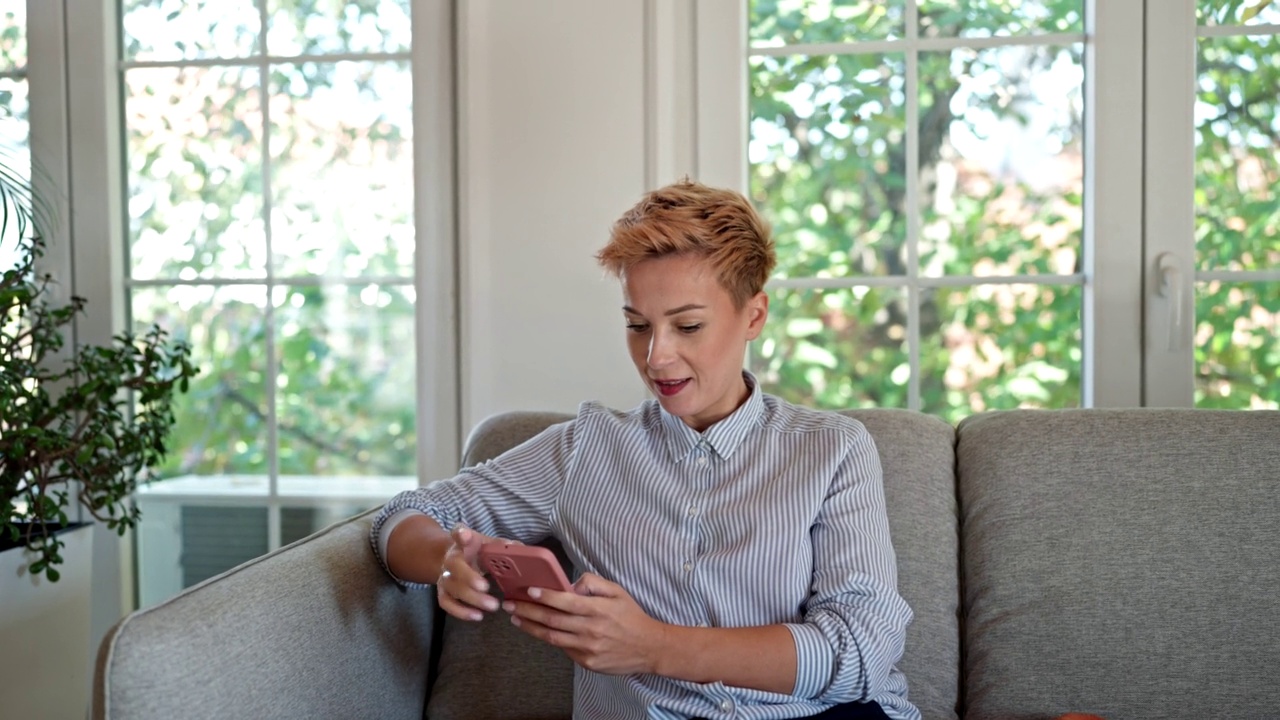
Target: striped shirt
[{"x": 775, "y": 514}]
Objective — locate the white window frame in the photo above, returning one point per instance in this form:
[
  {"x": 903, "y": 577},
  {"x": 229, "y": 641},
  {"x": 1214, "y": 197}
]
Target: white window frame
[
  {"x": 1111, "y": 279},
  {"x": 77, "y": 134},
  {"x": 1170, "y": 273}
]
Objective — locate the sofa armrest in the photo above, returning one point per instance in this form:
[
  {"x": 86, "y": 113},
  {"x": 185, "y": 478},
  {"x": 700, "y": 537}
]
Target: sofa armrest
[{"x": 315, "y": 629}]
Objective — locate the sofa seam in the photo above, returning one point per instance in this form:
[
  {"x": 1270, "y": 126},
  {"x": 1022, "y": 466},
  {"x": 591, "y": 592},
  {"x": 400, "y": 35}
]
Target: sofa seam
[{"x": 108, "y": 664}]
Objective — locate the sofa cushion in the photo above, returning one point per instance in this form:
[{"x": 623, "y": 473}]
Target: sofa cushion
[
  {"x": 492, "y": 670},
  {"x": 1121, "y": 562}
]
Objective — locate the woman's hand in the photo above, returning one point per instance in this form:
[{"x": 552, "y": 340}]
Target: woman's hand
[
  {"x": 599, "y": 626},
  {"x": 462, "y": 589}
]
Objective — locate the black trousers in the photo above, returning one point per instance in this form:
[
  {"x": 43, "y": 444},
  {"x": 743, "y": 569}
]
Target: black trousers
[
  {"x": 850, "y": 711},
  {"x": 853, "y": 711}
]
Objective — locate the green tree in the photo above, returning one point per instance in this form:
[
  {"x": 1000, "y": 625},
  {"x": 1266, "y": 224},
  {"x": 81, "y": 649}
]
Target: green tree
[
  {"x": 1237, "y": 354},
  {"x": 301, "y": 204},
  {"x": 829, "y": 157}
]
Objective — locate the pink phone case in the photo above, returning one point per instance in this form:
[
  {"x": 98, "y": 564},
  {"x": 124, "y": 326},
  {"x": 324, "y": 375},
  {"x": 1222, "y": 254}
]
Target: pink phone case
[{"x": 516, "y": 568}]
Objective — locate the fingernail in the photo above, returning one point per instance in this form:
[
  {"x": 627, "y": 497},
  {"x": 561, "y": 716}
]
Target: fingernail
[
  {"x": 535, "y": 593},
  {"x": 476, "y": 617},
  {"x": 515, "y": 620},
  {"x": 490, "y": 604},
  {"x": 509, "y": 606}
]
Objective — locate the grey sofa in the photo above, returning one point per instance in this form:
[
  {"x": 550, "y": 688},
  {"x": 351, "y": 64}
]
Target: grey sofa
[{"x": 1119, "y": 562}]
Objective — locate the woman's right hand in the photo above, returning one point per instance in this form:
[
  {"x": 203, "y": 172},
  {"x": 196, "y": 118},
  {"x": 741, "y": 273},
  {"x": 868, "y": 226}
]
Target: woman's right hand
[{"x": 462, "y": 589}]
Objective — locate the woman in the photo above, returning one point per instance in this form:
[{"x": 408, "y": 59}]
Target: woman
[{"x": 734, "y": 549}]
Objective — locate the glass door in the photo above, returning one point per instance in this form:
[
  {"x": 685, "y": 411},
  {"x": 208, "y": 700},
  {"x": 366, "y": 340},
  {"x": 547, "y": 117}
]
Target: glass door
[{"x": 1213, "y": 233}]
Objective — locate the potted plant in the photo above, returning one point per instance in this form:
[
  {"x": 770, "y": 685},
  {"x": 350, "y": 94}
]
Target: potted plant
[{"x": 79, "y": 426}]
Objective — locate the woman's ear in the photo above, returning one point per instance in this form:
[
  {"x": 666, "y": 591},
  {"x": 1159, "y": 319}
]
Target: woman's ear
[{"x": 757, "y": 313}]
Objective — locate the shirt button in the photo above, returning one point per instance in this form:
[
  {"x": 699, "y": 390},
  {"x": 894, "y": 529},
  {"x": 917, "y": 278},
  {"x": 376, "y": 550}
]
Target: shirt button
[
  {"x": 702, "y": 461},
  {"x": 693, "y": 510},
  {"x": 702, "y": 625},
  {"x": 726, "y": 705},
  {"x": 688, "y": 566}
]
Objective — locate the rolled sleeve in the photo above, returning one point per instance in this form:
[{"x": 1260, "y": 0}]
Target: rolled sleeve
[
  {"x": 382, "y": 535},
  {"x": 511, "y": 496},
  {"x": 814, "y": 660},
  {"x": 855, "y": 621}
]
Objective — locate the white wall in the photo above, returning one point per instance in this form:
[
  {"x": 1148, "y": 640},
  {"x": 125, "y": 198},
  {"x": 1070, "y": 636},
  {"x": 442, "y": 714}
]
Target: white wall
[{"x": 566, "y": 116}]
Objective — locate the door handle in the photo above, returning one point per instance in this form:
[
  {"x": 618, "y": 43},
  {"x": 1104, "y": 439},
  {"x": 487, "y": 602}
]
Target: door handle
[{"x": 1173, "y": 288}]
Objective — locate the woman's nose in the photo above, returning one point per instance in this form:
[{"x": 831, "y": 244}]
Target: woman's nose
[{"x": 661, "y": 353}]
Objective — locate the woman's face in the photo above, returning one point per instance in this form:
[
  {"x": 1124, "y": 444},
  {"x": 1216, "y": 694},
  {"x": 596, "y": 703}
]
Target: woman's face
[{"x": 687, "y": 339}]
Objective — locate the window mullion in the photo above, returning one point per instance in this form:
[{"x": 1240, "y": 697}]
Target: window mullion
[
  {"x": 1169, "y": 225},
  {"x": 273, "y": 361},
  {"x": 1112, "y": 322},
  {"x": 912, "y": 203},
  {"x": 436, "y": 311}
]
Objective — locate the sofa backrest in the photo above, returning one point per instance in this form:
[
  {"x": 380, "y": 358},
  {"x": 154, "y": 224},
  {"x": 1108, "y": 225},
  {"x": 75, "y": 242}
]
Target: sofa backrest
[
  {"x": 315, "y": 629},
  {"x": 491, "y": 670},
  {"x": 1121, "y": 562}
]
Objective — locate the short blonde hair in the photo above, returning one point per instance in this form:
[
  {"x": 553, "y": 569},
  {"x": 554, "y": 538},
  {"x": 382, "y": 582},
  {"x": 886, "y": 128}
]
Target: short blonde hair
[{"x": 690, "y": 218}]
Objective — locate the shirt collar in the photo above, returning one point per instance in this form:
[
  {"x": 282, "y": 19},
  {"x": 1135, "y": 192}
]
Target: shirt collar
[{"x": 725, "y": 436}]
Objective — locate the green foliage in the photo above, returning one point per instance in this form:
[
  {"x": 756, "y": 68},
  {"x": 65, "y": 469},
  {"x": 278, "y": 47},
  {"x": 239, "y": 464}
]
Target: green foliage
[
  {"x": 1234, "y": 12},
  {"x": 76, "y": 424},
  {"x": 305, "y": 359},
  {"x": 829, "y": 160},
  {"x": 1237, "y": 354},
  {"x": 829, "y": 153}
]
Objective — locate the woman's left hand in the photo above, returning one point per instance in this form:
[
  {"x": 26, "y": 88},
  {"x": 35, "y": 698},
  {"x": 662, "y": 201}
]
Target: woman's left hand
[{"x": 599, "y": 626}]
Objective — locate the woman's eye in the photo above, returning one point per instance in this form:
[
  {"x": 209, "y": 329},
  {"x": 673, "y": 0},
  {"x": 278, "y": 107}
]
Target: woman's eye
[
  {"x": 637, "y": 327},
  {"x": 690, "y": 328}
]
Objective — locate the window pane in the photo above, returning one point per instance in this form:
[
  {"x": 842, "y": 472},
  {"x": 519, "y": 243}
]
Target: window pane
[
  {"x": 1237, "y": 345},
  {"x": 826, "y": 152},
  {"x": 786, "y": 22},
  {"x": 13, "y": 36},
  {"x": 991, "y": 18},
  {"x": 1002, "y": 155},
  {"x": 221, "y": 422},
  {"x": 835, "y": 348},
  {"x": 1238, "y": 12},
  {"x": 316, "y": 27},
  {"x": 342, "y": 127},
  {"x": 1238, "y": 154},
  {"x": 161, "y": 30},
  {"x": 16, "y": 155},
  {"x": 996, "y": 347},
  {"x": 195, "y": 173},
  {"x": 345, "y": 398}
]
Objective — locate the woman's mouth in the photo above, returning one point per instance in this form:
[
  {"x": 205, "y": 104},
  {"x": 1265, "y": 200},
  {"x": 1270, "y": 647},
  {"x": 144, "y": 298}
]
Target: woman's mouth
[{"x": 670, "y": 387}]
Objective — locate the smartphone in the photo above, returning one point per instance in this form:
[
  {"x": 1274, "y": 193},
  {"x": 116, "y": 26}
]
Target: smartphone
[{"x": 516, "y": 568}]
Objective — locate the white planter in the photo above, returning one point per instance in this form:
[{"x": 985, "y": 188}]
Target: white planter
[{"x": 45, "y": 663}]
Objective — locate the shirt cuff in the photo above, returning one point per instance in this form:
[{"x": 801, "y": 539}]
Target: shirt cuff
[
  {"x": 384, "y": 535},
  {"x": 814, "y": 660}
]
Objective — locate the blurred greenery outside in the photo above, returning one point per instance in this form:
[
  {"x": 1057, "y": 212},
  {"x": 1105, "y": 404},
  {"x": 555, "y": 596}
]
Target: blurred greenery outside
[
  {"x": 1000, "y": 191},
  {"x": 337, "y": 315},
  {"x": 828, "y": 168}
]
